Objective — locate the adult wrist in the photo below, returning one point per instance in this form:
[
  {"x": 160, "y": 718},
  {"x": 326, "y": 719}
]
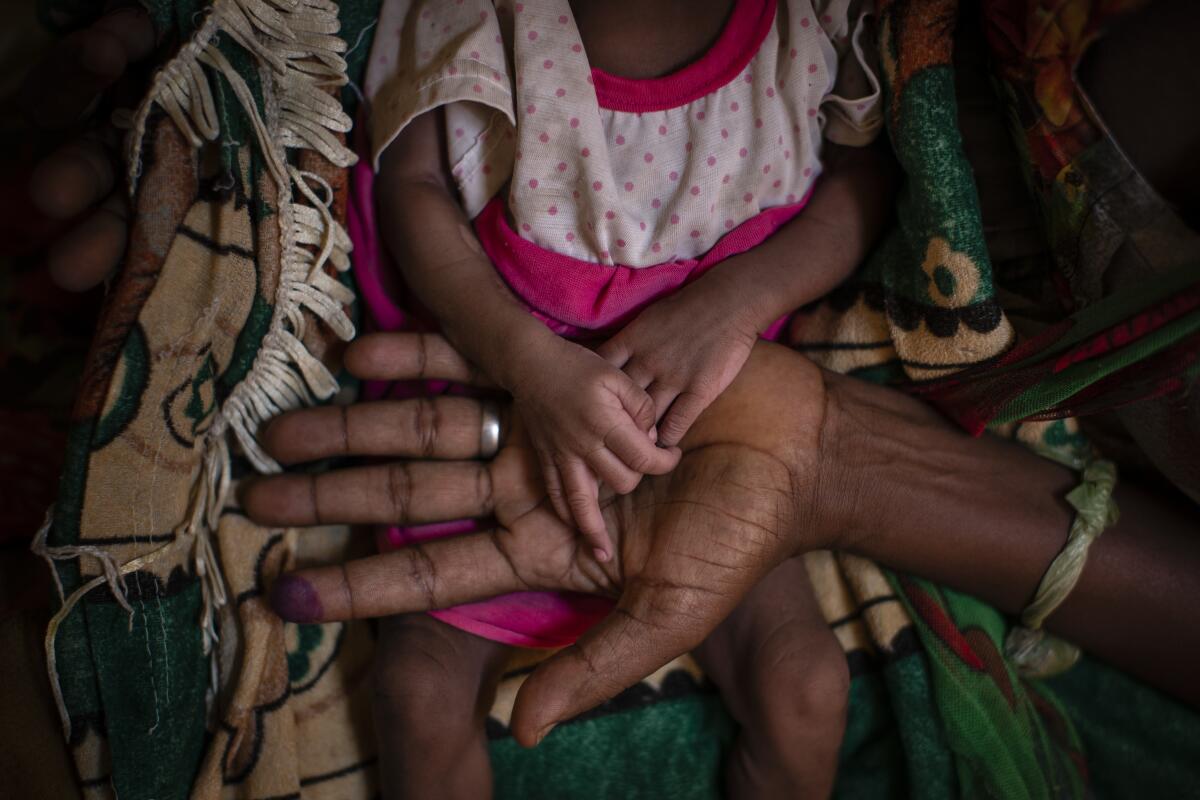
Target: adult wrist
[
  {"x": 921, "y": 496},
  {"x": 848, "y": 489}
]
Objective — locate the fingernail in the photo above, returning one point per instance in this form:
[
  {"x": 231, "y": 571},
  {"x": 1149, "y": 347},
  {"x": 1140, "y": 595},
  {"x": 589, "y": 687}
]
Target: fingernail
[
  {"x": 601, "y": 554},
  {"x": 295, "y": 599},
  {"x": 654, "y": 433},
  {"x": 545, "y": 732}
]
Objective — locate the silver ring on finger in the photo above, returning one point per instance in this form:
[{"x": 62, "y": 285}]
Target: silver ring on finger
[{"x": 489, "y": 429}]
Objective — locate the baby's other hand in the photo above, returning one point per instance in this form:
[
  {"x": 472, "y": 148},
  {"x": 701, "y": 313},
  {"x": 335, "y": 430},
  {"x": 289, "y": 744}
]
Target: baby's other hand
[
  {"x": 684, "y": 350},
  {"x": 586, "y": 418}
]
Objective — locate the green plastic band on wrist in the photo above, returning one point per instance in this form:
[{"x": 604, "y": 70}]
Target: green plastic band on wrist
[{"x": 1035, "y": 653}]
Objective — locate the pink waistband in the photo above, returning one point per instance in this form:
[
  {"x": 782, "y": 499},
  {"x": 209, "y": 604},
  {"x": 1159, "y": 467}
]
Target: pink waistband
[{"x": 573, "y": 296}]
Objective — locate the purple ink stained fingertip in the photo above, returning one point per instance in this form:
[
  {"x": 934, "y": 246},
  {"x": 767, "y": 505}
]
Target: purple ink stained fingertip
[{"x": 295, "y": 599}]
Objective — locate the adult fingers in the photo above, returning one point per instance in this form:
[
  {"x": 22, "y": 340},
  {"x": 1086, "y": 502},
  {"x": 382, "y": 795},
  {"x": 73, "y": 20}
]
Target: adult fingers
[
  {"x": 90, "y": 251},
  {"x": 583, "y": 498},
  {"x": 66, "y": 84},
  {"x": 409, "y": 356},
  {"x": 407, "y": 493},
  {"x": 132, "y": 27},
  {"x": 639, "y": 453},
  {"x": 424, "y": 427},
  {"x": 64, "y": 87},
  {"x": 654, "y": 622},
  {"x": 72, "y": 179},
  {"x": 683, "y": 412},
  {"x": 420, "y": 577}
]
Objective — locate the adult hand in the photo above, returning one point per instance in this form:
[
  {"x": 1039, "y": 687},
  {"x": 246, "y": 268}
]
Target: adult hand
[
  {"x": 688, "y": 546},
  {"x": 787, "y": 459},
  {"x": 79, "y": 183}
]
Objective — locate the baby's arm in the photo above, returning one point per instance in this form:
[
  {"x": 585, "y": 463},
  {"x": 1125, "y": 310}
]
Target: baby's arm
[
  {"x": 584, "y": 416},
  {"x": 686, "y": 348}
]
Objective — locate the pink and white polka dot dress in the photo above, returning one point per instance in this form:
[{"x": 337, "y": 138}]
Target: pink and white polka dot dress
[
  {"x": 594, "y": 194},
  {"x": 606, "y": 171}
]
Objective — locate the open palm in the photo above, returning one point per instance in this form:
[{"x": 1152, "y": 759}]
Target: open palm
[{"x": 689, "y": 545}]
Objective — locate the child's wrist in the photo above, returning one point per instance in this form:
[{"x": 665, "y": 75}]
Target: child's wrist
[
  {"x": 746, "y": 303},
  {"x": 500, "y": 344},
  {"x": 513, "y": 356}
]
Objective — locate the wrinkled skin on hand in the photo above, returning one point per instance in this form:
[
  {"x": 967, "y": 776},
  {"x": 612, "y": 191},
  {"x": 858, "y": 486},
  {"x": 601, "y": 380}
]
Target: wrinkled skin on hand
[{"x": 688, "y": 546}]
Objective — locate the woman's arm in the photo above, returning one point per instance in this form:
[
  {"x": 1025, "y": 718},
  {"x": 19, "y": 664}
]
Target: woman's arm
[{"x": 987, "y": 516}]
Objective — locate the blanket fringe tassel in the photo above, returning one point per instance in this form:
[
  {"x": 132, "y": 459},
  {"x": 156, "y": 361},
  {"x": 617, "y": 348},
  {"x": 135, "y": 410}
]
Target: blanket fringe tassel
[{"x": 298, "y": 51}]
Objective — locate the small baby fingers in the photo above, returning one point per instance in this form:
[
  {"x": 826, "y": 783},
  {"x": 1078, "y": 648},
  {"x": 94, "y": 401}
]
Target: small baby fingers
[
  {"x": 583, "y": 500},
  {"x": 554, "y": 488},
  {"x": 680, "y": 416},
  {"x": 639, "y": 453},
  {"x": 612, "y": 471}
]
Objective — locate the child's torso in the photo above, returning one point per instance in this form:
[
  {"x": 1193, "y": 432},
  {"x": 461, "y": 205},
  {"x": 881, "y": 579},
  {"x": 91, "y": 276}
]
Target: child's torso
[{"x": 624, "y": 169}]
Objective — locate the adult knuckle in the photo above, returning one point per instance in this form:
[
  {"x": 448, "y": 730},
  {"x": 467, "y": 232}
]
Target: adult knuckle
[
  {"x": 422, "y": 354},
  {"x": 426, "y": 422},
  {"x": 344, "y": 421},
  {"x": 595, "y": 664},
  {"x": 485, "y": 487},
  {"x": 349, "y": 591},
  {"x": 399, "y": 490},
  {"x": 422, "y": 571}
]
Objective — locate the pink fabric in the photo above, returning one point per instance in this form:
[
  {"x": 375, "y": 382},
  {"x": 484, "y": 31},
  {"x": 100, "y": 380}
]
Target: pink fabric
[
  {"x": 576, "y": 297},
  {"x": 518, "y": 108},
  {"x": 523, "y": 619},
  {"x": 738, "y": 43}
]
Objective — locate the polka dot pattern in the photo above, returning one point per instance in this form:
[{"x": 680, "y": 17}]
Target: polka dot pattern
[{"x": 597, "y": 184}]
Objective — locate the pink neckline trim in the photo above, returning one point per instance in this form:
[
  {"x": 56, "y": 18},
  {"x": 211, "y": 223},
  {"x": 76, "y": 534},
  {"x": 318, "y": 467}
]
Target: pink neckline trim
[{"x": 738, "y": 43}]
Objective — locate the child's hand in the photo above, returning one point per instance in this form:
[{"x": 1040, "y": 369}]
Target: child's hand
[
  {"x": 586, "y": 418},
  {"x": 684, "y": 350}
]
